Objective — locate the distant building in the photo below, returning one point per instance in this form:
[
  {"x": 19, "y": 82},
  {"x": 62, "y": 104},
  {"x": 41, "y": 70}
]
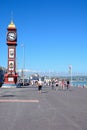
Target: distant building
[{"x": 2, "y": 72}]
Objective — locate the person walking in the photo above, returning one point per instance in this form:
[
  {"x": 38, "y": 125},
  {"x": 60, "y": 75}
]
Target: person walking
[
  {"x": 62, "y": 83},
  {"x": 68, "y": 84},
  {"x": 40, "y": 84},
  {"x": 57, "y": 84},
  {"x": 52, "y": 85}
]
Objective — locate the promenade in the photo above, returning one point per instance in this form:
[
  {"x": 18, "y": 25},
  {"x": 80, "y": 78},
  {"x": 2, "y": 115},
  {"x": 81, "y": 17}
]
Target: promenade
[{"x": 26, "y": 109}]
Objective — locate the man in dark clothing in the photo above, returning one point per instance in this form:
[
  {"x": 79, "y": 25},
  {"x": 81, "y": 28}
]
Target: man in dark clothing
[{"x": 68, "y": 84}]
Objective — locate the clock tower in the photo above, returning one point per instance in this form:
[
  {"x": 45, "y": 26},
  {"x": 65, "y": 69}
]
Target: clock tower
[{"x": 10, "y": 78}]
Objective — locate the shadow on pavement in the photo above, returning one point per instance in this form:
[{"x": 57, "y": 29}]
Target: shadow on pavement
[{"x": 7, "y": 96}]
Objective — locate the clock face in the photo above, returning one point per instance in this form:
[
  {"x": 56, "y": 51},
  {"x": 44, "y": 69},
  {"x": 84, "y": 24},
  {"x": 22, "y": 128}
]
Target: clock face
[{"x": 11, "y": 36}]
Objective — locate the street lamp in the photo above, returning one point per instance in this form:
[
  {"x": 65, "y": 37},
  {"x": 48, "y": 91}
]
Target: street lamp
[
  {"x": 23, "y": 61},
  {"x": 70, "y": 71}
]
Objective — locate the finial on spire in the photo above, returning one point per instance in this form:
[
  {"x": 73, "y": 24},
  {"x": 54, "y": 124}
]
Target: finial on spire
[
  {"x": 11, "y": 25},
  {"x": 11, "y": 16}
]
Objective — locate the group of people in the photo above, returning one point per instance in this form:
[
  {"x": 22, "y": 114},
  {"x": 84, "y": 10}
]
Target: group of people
[
  {"x": 53, "y": 84},
  {"x": 63, "y": 84}
]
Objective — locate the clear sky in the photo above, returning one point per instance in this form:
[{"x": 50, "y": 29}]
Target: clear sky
[{"x": 53, "y": 32}]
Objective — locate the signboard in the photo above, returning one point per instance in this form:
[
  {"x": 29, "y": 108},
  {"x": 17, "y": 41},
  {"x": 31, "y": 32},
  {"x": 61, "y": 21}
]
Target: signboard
[{"x": 11, "y": 79}]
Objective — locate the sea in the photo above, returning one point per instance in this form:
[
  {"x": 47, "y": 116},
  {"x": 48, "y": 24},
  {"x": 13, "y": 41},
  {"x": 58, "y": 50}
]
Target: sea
[{"x": 79, "y": 84}]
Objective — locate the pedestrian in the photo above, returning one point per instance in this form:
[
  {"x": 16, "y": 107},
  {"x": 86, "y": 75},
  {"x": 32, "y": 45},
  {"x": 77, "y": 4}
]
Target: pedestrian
[
  {"x": 57, "y": 85},
  {"x": 52, "y": 84},
  {"x": 68, "y": 84},
  {"x": 40, "y": 84},
  {"x": 62, "y": 83}
]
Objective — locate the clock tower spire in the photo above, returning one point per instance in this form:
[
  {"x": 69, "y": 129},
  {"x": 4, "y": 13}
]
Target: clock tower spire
[{"x": 10, "y": 78}]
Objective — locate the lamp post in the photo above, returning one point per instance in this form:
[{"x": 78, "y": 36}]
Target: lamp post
[
  {"x": 23, "y": 61},
  {"x": 70, "y": 71}
]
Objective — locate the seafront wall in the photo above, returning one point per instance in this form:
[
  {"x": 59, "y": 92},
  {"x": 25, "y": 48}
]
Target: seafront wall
[{"x": 79, "y": 84}]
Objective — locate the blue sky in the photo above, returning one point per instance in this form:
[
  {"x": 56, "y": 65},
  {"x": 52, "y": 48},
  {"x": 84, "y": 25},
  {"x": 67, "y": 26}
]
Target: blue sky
[{"x": 54, "y": 34}]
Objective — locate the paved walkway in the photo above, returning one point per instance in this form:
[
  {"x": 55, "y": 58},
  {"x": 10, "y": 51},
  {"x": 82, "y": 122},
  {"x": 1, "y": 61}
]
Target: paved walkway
[{"x": 26, "y": 109}]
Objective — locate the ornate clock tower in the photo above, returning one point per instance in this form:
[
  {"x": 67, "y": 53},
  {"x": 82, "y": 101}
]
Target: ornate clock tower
[{"x": 10, "y": 78}]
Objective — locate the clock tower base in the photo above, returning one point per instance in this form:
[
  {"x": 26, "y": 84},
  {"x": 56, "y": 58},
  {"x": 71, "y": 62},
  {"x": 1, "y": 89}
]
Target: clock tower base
[
  {"x": 10, "y": 81},
  {"x": 9, "y": 86}
]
